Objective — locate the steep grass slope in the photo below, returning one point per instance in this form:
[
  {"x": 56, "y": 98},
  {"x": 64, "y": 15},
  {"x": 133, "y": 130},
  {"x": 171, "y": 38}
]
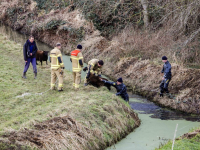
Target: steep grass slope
[
  {"x": 86, "y": 119},
  {"x": 113, "y": 31}
]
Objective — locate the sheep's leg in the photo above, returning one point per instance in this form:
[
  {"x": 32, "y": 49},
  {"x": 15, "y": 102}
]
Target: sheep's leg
[
  {"x": 41, "y": 62},
  {"x": 46, "y": 63}
]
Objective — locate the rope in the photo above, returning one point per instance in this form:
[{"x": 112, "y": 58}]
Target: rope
[
  {"x": 186, "y": 126},
  {"x": 174, "y": 137}
]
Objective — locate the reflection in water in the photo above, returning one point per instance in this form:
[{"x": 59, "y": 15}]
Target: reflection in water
[
  {"x": 158, "y": 124},
  {"x": 146, "y": 107}
]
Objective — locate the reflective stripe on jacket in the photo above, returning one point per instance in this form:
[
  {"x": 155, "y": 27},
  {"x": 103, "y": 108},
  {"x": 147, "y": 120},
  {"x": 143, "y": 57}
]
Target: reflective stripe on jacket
[
  {"x": 56, "y": 59},
  {"x": 94, "y": 66},
  {"x": 77, "y": 60}
]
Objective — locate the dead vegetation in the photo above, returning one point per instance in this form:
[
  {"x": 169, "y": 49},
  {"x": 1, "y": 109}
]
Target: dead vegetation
[
  {"x": 66, "y": 133},
  {"x": 90, "y": 119},
  {"x": 190, "y": 135},
  {"x": 132, "y": 51}
]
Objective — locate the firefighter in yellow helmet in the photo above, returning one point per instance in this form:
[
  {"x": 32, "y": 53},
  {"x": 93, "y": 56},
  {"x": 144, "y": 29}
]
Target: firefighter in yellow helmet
[
  {"x": 77, "y": 64},
  {"x": 94, "y": 67},
  {"x": 57, "y": 67}
]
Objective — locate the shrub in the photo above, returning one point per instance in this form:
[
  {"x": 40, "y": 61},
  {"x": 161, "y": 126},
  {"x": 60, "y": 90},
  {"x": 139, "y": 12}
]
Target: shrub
[{"x": 53, "y": 24}]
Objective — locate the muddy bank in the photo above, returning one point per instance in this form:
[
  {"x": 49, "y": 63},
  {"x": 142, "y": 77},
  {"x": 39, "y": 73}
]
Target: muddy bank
[{"x": 139, "y": 69}]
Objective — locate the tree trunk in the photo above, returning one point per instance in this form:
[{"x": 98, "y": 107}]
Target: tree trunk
[{"x": 145, "y": 5}]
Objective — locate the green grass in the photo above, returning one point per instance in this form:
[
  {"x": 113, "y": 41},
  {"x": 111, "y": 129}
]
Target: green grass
[
  {"x": 183, "y": 144},
  {"x": 96, "y": 109}
]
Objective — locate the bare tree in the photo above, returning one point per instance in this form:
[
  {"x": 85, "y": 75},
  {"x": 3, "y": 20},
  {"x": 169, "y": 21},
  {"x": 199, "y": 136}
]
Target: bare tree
[{"x": 145, "y": 6}]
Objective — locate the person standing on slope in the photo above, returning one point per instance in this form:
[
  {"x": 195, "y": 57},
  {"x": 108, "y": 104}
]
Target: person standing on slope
[
  {"x": 29, "y": 51},
  {"x": 120, "y": 87},
  {"x": 57, "y": 67},
  {"x": 167, "y": 76},
  {"x": 77, "y": 64}
]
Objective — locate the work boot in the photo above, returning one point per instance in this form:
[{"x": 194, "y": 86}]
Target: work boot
[
  {"x": 60, "y": 90},
  {"x": 35, "y": 77},
  {"x": 24, "y": 75},
  {"x": 169, "y": 95},
  {"x": 161, "y": 94},
  {"x": 86, "y": 84}
]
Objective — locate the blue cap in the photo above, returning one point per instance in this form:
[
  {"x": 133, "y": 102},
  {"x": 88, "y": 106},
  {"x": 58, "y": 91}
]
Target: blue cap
[
  {"x": 164, "y": 58},
  {"x": 120, "y": 80},
  {"x": 79, "y": 46}
]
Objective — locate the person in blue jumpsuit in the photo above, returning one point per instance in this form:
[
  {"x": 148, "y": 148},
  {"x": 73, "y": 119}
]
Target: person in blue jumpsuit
[
  {"x": 167, "y": 76},
  {"x": 120, "y": 87}
]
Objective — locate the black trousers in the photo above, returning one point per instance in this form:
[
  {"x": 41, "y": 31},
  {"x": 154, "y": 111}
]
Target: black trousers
[
  {"x": 125, "y": 97},
  {"x": 164, "y": 86}
]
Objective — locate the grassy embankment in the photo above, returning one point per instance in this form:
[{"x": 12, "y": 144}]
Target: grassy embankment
[
  {"x": 189, "y": 141},
  {"x": 113, "y": 31},
  {"x": 90, "y": 118}
]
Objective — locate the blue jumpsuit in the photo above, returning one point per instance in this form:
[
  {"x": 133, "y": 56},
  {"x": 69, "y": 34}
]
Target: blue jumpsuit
[
  {"x": 167, "y": 75},
  {"x": 121, "y": 90}
]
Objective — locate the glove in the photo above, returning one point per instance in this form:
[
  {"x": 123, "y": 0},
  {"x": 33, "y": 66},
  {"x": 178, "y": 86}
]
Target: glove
[
  {"x": 95, "y": 74},
  {"x": 104, "y": 81},
  {"x": 99, "y": 75},
  {"x": 88, "y": 75},
  {"x": 61, "y": 71}
]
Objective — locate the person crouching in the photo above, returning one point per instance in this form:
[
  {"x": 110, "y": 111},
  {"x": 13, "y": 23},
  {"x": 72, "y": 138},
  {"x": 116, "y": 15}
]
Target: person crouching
[{"x": 120, "y": 87}]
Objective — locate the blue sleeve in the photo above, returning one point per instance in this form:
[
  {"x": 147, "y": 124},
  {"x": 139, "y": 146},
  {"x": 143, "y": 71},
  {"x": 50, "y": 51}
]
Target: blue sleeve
[
  {"x": 110, "y": 83},
  {"x": 167, "y": 71},
  {"x": 122, "y": 91},
  {"x": 59, "y": 59},
  {"x": 80, "y": 62}
]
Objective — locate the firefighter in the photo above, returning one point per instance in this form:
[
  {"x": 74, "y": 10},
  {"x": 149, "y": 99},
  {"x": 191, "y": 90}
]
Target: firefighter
[
  {"x": 120, "y": 87},
  {"x": 77, "y": 64},
  {"x": 167, "y": 76},
  {"x": 94, "y": 67},
  {"x": 57, "y": 67}
]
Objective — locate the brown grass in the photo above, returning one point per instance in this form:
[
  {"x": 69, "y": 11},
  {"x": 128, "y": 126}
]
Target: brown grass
[{"x": 135, "y": 54}]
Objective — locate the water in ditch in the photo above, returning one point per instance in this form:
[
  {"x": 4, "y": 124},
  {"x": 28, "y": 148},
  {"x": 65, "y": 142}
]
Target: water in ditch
[{"x": 158, "y": 124}]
